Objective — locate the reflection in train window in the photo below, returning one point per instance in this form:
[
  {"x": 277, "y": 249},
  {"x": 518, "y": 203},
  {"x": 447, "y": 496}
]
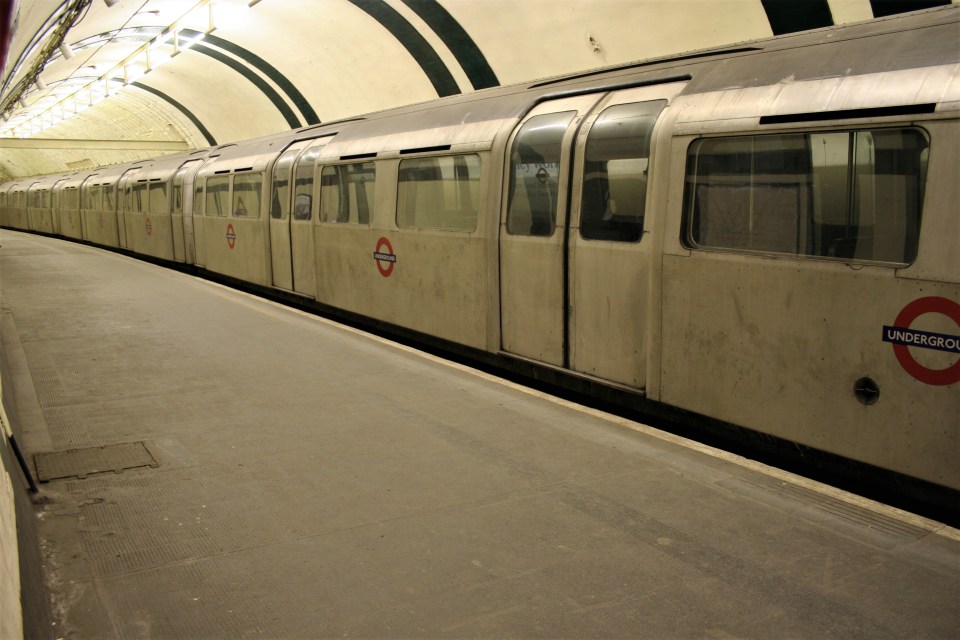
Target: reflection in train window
[
  {"x": 614, "y": 194},
  {"x": 439, "y": 193},
  {"x": 108, "y": 202},
  {"x": 215, "y": 202},
  {"x": 535, "y": 175},
  {"x": 850, "y": 195},
  {"x": 246, "y": 195},
  {"x": 139, "y": 198},
  {"x": 303, "y": 186},
  {"x": 280, "y": 186},
  {"x": 158, "y": 198},
  {"x": 39, "y": 198},
  {"x": 92, "y": 199},
  {"x": 70, "y": 199},
  {"x": 346, "y": 193}
]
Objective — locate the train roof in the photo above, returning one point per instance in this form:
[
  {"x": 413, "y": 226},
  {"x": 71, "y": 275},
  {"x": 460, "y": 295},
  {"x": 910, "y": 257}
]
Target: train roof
[{"x": 921, "y": 50}]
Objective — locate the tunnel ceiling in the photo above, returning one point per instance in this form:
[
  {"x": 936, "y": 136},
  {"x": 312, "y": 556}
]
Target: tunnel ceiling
[{"x": 94, "y": 82}]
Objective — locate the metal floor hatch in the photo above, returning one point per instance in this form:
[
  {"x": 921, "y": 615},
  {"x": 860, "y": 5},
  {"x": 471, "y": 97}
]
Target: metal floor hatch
[{"x": 81, "y": 463}]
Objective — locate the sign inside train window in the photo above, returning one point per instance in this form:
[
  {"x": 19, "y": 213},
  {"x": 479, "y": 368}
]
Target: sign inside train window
[
  {"x": 903, "y": 337},
  {"x": 543, "y": 172}
]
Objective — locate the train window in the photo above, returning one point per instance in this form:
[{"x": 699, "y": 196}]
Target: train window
[
  {"x": 70, "y": 200},
  {"x": 246, "y": 195},
  {"x": 303, "y": 186},
  {"x": 215, "y": 202},
  {"x": 139, "y": 197},
  {"x": 92, "y": 200},
  {"x": 535, "y": 175},
  {"x": 159, "y": 203},
  {"x": 108, "y": 202},
  {"x": 614, "y": 191},
  {"x": 280, "y": 187},
  {"x": 848, "y": 195},
  {"x": 439, "y": 193},
  {"x": 346, "y": 193},
  {"x": 177, "y": 196}
]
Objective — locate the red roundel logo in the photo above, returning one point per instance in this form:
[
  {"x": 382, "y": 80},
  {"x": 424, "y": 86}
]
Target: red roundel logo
[
  {"x": 231, "y": 236},
  {"x": 149, "y": 226},
  {"x": 903, "y": 337},
  {"x": 385, "y": 257}
]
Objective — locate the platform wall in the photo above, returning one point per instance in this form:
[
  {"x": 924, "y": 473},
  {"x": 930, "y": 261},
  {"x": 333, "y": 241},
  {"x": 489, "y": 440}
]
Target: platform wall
[{"x": 24, "y": 607}]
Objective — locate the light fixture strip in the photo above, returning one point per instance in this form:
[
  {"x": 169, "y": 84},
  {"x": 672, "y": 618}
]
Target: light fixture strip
[{"x": 157, "y": 41}]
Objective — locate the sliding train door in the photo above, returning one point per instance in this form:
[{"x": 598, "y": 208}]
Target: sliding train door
[
  {"x": 280, "y": 200},
  {"x": 291, "y": 217},
  {"x": 301, "y": 221},
  {"x": 533, "y": 231},
  {"x": 574, "y": 257}
]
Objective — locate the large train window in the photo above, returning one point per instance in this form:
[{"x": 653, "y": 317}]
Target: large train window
[
  {"x": 70, "y": 199},
  {"x": 159, "y": 203},
  {"x": 92, "y": 196},
  {"x": 848, "y": 195},
  {"x": 615, "y": 170},
  {"x": 108, "y": 203},
  {"x": 303, "y": 187},
  {"x": 535, "y": 175},
  {"x": 215, "y": 200},
  {"x": 140, "y": 195},
  {"x": 280, "y": 186},
  {"x": 246, "y": 195},
  {"x": 346, "y": 193},
  {"x": 439, "y": 193}
]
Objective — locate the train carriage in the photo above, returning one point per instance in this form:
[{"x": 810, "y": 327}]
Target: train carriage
[
  {"x": 403, "y": 233},
  {"x": 100, "y": 201},
  {"x": 762, "y": 237},
  {"x": 803, "y": 220},
  {"x": 153, "y": 213},
  {"x": 14, "y": 205},
  {"x": 230, "y": 211}
]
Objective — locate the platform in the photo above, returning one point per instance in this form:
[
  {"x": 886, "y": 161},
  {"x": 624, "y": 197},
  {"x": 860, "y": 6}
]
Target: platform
[{"x": 220, "y": 466}]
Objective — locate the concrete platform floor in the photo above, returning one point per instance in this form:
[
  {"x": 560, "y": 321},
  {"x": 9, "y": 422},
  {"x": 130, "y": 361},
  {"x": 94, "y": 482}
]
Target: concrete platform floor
[{"x": 313, "y": 481}]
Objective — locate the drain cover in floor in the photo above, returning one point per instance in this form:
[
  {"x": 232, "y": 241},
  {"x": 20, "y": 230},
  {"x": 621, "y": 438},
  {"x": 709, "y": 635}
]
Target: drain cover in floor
[{"x": 84, "y": 462}]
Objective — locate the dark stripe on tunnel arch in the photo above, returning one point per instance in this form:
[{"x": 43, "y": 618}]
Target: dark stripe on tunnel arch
[
  {"x": 790, "y": 16},
  {"x": 461, "y": 45},
  {"x": 414, "y": 42},
  {"x": 182, "y": 109},
  {"x": 259, "y": 82},
  {"x": 298, "y": 99}
]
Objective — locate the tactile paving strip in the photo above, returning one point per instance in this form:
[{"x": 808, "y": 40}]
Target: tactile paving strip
[{"x": 81, "y": 463}]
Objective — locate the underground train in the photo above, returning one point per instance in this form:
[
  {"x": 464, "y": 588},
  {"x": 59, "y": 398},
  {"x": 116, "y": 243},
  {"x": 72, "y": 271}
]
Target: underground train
[{"x": 761, "y": 238}]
